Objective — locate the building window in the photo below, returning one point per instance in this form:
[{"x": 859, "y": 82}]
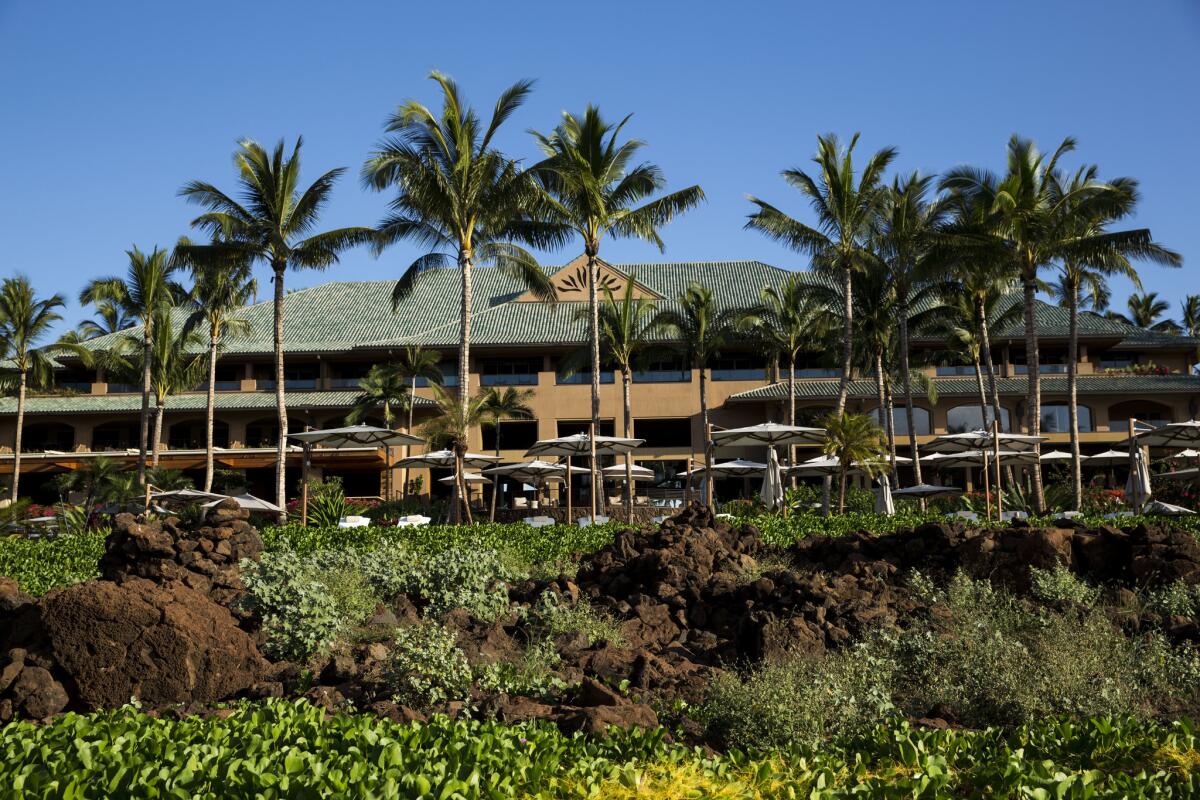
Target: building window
[
  {"x": 954, "y": 371},
  {"x": 449, "y": 375},
  {"x": 296, "y": 377},
  {"x": 962, "y": 419},
  {"x": 668, "y": 432},
  {"x": 1057, "y": 419},
  {"x": 663, "y": 370},
  {"x": 570, "y": 427},
  {"x": 191, "y": 435},
  {"x": 262, "y": 433},
  {"x": 509, "y": 371},
  {"x": 739, "y": 367},
  {"x": 900, "y": 420},
  {"x": 584, "y": 377},
  {"x": 515, "y": 434},
  {"x": 115, "y": 436},
  {"x": 1146, "y": 413},
  {"x": 43, "y": 436}
]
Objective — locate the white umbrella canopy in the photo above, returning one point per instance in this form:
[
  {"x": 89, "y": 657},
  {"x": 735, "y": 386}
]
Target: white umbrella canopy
[
  {"x": 769, "y": 433},
  {"x": 928, "y": 491},
  {"x": 1055, "y": 455},
  {"x": 976, "y": 440},
  {"x": 617, "y": 472},
  {"x": 356, "y": 436},
  {"x": 1191, "y": 474},
  {"x": 468, "y": 477},
  {"x": 532, "y": 471},
  {"x": 1108, "y": 458},
  {"x": 772, "y": 485},
  {"x": 1166, "y": 509},
  {"x": 1185, "y": 455},
  {"x": 975, "y": 458},
  {"x": 730, "y": 469},
  {"x": 248, "y": 502},
  {"x": 883, "y": 498},
  {"x": 445, "y": 458},
  {"x": 580, "y": 444},
  {"x": 187, "y": 496},
  {"x": 822, "y": 465},
  {"x": 1174, "y": 434}
]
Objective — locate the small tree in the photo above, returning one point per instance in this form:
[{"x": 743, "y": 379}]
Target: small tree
[
  {"x": 856, "y": 441},
  {"x": 498, "y": 404}
]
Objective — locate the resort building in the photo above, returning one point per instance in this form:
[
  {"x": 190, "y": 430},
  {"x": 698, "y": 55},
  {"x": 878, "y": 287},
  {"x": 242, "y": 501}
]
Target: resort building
[{"x": 335, "y": 332}]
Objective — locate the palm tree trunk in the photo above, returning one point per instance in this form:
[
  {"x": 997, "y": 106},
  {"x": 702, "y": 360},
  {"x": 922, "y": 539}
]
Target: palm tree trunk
[
  {"x": 1073, "y": 401},
  {"x": 879, "y": 398},
  {"x": 145, "y": 418},
  {"x": 626, "y": 381},
  {"x": 1033, "y": 414},
  {"x": 983, "y": 403},
  {"x": 890, "y": 400},
  {"x": 459, "y": 485},
  {"x": 464, "y": 354},
  {"x": 906, "y": 387},
  {"x": 706, "y": 432},
  {"x": 210, "y": 405},
  {"x": 847, "y": 341},
  {"x": 279, "y": 267},
  {"x": 159, "y": 410},
  {"x": 985, "y": 349},
  {"x": 842, "y": 470},
  {"x": 496, "y": 483},
  {"x": 412, "y": 402},
  {"x": 791, "y": 389},
  {"x": 594, "y": 336},
  {"x": 22, "y": 380}
]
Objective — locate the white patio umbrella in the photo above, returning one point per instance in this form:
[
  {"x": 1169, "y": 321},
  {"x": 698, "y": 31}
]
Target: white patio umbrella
[
  {"x": 976, "y": 458},
  {"x": 1166, "y": 509},
  {"x": 617, "y": 472},
  {"x": 445, "y": 459},
  {"x": 1138, "y": 491},
  {"x": 772, "y": 485},
  {"x": 1108, "y": 458},
  {"x": 1185, "y": 455},
  {"x": 1191, "y": 474},
  {"x": 768, "y": 433},
  {"x": 468, "y": 477},
  {"x": 248, "y": 502},
  {"x": 1055, "y": 455},
  {"x": 883, "y": 498},
  {"x": 361, "y": 435},
  {"x": 1174, "y": 434},
  {"x": 928, "y": 491},
  {"x": 580, "y": 444},
  {"x": 534, "y": 472},
  {"x": 187, "y": 496},
  {"x": 980, "y": 439},
  {"x": 738, "y": 468},
  {"x": 819, "y": 466}
]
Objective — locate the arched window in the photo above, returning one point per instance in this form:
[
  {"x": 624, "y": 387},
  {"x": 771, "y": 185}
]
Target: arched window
[
  {"x": 961, "y": 419},
  {"x": 262, "y": 433},
  {"x": 900, "y": 420},
  {"x": 190, "y": 435},
  {"x": 115, "y": 436},
  {"x": 1057, "y": 419},
  {"x": 1146, "y": 412},
  {"x": 43, "y": 436}
]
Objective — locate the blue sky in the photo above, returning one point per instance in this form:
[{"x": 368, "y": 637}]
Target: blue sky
[{"x": 108, "y": 108}]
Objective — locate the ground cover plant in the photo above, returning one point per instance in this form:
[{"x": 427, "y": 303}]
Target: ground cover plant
[{"x": 279, "y": 749}]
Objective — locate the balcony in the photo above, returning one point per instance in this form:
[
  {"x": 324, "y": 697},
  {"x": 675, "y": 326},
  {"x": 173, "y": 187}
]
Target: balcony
[
  {"x": 291, "y": 384},
  {"x": 740, "y": 374},
  {"x": 584, "y": 378},
  {"x": 509, "y": 379},
  {"x": 955, "y": 371},
  {"x": 819, "y": 372},
  {"x": 1043, "y": 369},
  {"x": 663, "y": 376}
]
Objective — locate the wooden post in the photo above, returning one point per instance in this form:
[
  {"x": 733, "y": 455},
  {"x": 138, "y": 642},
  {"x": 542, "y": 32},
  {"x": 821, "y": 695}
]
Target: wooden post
[
  {"x": 570, "y": 513},
  {"x": 987, "y": 484},
  {"x": 687, "y": 479},
  {"x": 708, "y": 483},
  {"x": 996, "y": 452},
  {"x": 304, "y": 465}
]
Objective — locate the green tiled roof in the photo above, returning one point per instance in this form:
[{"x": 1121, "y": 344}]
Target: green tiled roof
[
  {"x": 225, "y": 401},
  {"x": 966, "y": 387}
]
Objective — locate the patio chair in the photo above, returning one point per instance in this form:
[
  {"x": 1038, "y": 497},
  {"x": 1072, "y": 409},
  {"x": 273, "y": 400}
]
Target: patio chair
[
  {"x": 413, "y": 521},
  {"x": 1009, "y": 516},
  {"x": 353, "y": 522},
  {"x": 538, "y": 522},
  {"x": 520, "y": 502},
  {"x": 599, "y": 519},
  {"x": 969, "y": 516},
  {"x": 1118, "y": 514},
  {"x": 658, "y": 520}
]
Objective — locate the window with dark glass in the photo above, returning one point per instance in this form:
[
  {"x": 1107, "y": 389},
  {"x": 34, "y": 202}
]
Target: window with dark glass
[
  {"x": 962, "y": 419},
  {"x": 295, "y": 376},
  {"x": 570, "y": 427},
  {"x": 664, "y": 432},
  {"x": 582, "y": 376},
  {"x": 509, "y": 371},
  {"x": 515, "y": 434},
  {"x": 1057, "y": 419},
  {"x": 669, "y": 369},
  {"x": 740, "y": 367}
]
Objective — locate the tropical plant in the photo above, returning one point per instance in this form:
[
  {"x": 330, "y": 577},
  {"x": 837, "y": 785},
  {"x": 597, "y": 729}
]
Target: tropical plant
[
  {"x": 700, "y": 328},
  {"x": 110, "y": 318},
  {"x": 451, "y": 426},
  {"x": 845, "y": 212},
  {"x": 459, "y": 196},
  {"x": 496, "y": 404},
  {"x": 413, "y": 364},
  {"x": 273, "y": 224},
  {"x": 148, "y": 289},
  {"x": 1146, "y": 310},
  {"x": 1027, "y": 224},
  {"x": 25, "y": 320},
  {"x": 98, "y": 479},
  {"x": 909, "y": 240},
  {"x": 384, "y": 387},
  {"x": 1189, "y": 319},
  {"x": 856, "y": 441},
  {"x": 219, "y": 292},
  {"x": 594, "y": 190}
]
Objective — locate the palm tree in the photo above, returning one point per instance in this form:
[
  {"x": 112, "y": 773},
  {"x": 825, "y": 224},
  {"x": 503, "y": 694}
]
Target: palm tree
[
  {"x": 460, "y": 197},
  {"x": 219, "y": 292},
  {"x": 1028, "y": 223},
  {"x": 97, "y": 479},
  {"x": 25, "y": 320},
  {"x": 413, "y": 364},
  {"x": 148, "y": 288},
  {"x": 701, "y": 329},
  {"x": 791, "y": 317},
  {"x": 962, "y": 328},
  {"x": 383, "y": 387},
  {"x": 110, "y": 318},
  {"x": 175, "y": 367},
  {"x": 594, "y": 189},
  {"x": 855, "y": 440},
  {"x": 1145, "y": 311},
  {"x": 909, "y": 240},
  {"x": 628, "y": 332},
  {"x": 451, "y": 425},
  {"x": 845, "y": 212},
  {"x": 1189, "y": 318},
  {"x": 498, "y": 404},
  {"x": 273, "y": 224}
]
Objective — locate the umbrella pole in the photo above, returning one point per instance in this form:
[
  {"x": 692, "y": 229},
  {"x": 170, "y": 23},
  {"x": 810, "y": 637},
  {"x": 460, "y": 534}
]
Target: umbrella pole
[
  {"x": 987, "y": 484},
  {"x": 996, "y": 453},
  {"x": 592, "y": 466},
  {"x": 708, "y": 484},
  {"x": 304, "y": 484},
  {"x": 570, "y": 504}
]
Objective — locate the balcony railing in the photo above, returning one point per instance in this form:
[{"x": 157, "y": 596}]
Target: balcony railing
[
  {"x": 290, "y": 384},
  {"x": 748, "y": 374},
  {"x": 584, "y": 377},
  {"x": 947, "y": 372},
  {"x": 819, "y": 372},
  {"x": 663, "y": 376},
  {"x": 512, "y": 379},
  {"x": 1043, "y": 369}
]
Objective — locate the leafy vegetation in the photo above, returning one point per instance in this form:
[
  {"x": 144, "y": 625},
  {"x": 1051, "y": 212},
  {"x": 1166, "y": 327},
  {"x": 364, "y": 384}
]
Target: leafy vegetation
[
  {"x": 40, "y": 565},
  {"x": 427, "y": 667},
  {"x": 279, "y": 749}
]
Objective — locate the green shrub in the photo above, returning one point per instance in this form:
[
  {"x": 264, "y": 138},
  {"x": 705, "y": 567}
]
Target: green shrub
[
  {"x": 552, "y": 615},
  {"x": 1061, "y": 586},
  {"x": 531, "y": 674},
  {"x": 1173, "y": 599},
  {"x": 298, "y": 607},
  {"x": 800, "y": 700},
  {"x": 460, "y": 578},
  {"x": 426, "y": 666},
  {"x": 40, "y": 565}
]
